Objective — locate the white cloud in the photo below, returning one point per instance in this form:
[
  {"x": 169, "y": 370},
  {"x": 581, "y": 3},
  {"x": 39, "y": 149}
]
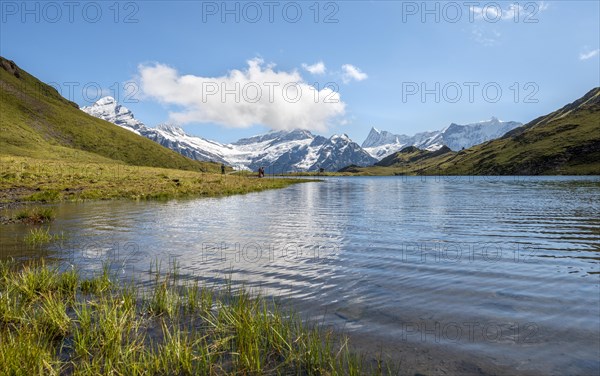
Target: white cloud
[
  {"x": 317, "y": 68},
  {"x": 256, "y": 95},
  {"x": 543, "y": 5},
  {"x": 487, "y": 39},
  {"x": 350, "y": 72},
  {"x": 493, "y": 12},
  {"x": 589, "y": 54}
]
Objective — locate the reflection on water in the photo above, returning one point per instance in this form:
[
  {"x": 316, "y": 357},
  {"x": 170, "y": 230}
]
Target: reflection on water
[{"x": 504, "y": 267}]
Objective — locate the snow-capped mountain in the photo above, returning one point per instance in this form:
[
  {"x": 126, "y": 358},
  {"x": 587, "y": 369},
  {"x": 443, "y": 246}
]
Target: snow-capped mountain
[
  {"x": 381, "y": 143},
  {"x": 300, "y": 150},
  {"x": 167, "y": 135},
  {"x": 108, "y": 109},
  {"x": 457, "y": 136},
  {"x": 198, "y": 148},
  {"x": 281, "y": 151}
]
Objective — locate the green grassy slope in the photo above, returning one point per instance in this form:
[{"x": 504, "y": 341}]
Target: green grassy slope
[
  {"x": 564, "y": 142},
  {"x": 412, "y": 155},
  {"x": 37, "y": 122}
]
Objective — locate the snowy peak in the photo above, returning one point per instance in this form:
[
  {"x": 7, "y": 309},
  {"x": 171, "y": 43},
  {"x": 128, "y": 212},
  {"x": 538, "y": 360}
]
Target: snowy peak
[
  {"x": 281, "y": 151},
  {"x": 337, "y": 152},
  {"x": 299, "y": 133},
  {"x": 340, "y": 138},
  {"x": 108, "y": 109},
  {"x": 106, "y": 101},
  {"x": 295, "y": 135},
  {"x": 378, "y": 138},
  {"x": 276, "y": 136},
  {"x": 300, "y": 150},
  {"x": 168, "y": 135},
  {"x": 382, "y": 143},
  {"x": 171, "y": 128},
  {"x": 373, "y": 138},
  {"x": 456, "y": 136}
]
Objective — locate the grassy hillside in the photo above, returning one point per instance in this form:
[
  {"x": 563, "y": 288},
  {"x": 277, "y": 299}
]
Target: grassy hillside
[
  {"x": 52, "y": 151},
  {"x": 412, "y": 155},
  {"x": 564, "y": 142},
  {"x": 37, "y": 122}
]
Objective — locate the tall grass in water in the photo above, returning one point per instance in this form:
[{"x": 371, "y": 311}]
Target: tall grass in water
[
  {"x": 57, "y": 322},
  {"x": 39, "y": 235}
]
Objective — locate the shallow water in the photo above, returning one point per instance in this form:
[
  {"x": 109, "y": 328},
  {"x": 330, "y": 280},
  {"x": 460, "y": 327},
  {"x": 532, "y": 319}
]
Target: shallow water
[{"x": 503, "y": 268}]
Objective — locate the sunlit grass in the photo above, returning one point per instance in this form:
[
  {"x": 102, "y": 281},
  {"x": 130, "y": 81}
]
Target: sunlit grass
[
  {"x": 39, "y": 235},
  {"x": 36, "y": 180},
  {"x": 55, "y": 321}
]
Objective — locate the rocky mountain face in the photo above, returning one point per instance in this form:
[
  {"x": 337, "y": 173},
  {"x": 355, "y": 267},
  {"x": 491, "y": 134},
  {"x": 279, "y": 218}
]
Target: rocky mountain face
[
  {"x": 167, "y": 135},
  {"x": 458, "y": 136},
  {"x": 299, "y": 150},
  {"x": 108, "y": 109},
  {"x": 381, "y": 143},
  {"x": 282, "y": 151}
]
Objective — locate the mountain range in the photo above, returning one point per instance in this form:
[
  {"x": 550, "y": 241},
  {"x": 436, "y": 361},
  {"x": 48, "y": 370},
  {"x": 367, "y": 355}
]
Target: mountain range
[
  {"x": 37, "y": 122},
  {"x": 281, "y": 151},
  {"x": 298, "y": 150},
  {"x": 380, "y": 144},
  {"x": 563, "y": 142}
]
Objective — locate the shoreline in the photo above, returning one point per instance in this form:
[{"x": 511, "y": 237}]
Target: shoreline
[
  {"x": 55, "y": 321},
  {"x": 36, "y": 181},
  {"x": 170, "y": 306}
]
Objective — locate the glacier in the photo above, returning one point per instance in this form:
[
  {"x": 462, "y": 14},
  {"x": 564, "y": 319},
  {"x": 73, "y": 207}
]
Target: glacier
[
  {"x": 380, "y": 144},
  {"x": 299, "y": 150},
  {"x": 277, "y": 151}
]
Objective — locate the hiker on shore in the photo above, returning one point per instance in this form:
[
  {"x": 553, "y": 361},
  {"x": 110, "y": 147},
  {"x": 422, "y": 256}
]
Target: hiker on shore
[{"x": 222, "y": 168}]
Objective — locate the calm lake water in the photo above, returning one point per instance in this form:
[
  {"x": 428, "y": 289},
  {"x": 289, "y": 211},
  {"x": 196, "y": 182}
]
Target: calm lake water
[{"x": 507, "y": 269}]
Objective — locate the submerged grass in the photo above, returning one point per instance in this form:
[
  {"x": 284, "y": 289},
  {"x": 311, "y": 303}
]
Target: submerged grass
[{"x": 57, "y": 322}]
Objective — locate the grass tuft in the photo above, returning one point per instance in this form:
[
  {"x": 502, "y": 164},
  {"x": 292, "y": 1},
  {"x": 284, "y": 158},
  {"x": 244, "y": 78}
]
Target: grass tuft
[
  {"x": 35, "y": 215},
  {"x": 40, "y": 235},
  {"x": 99, "y": 284},
  {"x": 53, "y": 321}
]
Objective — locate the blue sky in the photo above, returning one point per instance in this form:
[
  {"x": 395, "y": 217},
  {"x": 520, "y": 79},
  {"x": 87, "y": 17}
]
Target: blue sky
[{"x": 379, "y": 56}]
